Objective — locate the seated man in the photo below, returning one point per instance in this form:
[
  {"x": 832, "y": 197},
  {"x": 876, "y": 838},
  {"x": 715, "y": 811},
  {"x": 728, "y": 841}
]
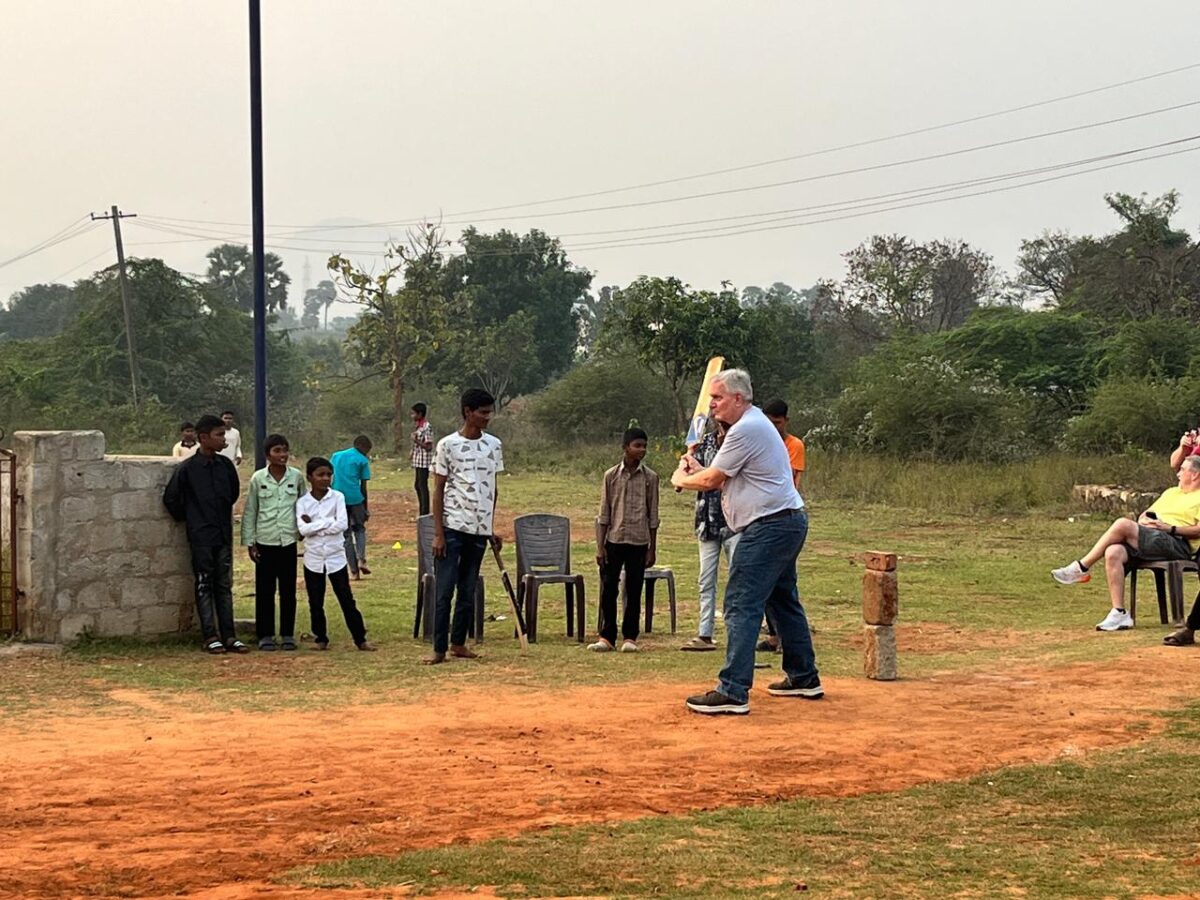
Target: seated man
[{"x": 1169, "y": 529}]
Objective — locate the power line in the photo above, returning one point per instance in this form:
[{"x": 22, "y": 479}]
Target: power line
[
  {"x": 72, "y": 231},
  {"x": 680, "y": 238},
  {"x": 749, "y": 166},
  {"x": 903, "y": 199}
]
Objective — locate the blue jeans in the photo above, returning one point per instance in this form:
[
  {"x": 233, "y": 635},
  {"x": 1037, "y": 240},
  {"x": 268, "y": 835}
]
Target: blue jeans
[
  {"x": 457, "y": 571},
  {"x": 763, "y": 578},
  {"x": 710, "y": 562},
  {"x": 355, "y": 538}
]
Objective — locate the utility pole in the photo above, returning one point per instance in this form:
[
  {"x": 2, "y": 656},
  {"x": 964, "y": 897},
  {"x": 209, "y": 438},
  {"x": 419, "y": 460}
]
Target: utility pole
[
  {"x": 116, "y": 215},
  {"x": 260, "y": 265}
]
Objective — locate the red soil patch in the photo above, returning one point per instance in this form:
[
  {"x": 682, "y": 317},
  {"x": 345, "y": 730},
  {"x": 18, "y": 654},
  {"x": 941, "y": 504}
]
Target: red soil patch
[
  {"x": 941, "y": 637},
  {"x": 168, "y": 801}
]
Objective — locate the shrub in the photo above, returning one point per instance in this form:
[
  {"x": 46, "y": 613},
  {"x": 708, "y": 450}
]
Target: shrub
[
  {"x": 1128, "y": 412},
  {"x": 596, "y": 400}
]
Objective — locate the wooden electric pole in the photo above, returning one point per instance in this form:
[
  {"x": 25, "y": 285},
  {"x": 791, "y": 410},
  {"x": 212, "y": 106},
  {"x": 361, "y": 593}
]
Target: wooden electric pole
[{"x": 116, "y": 215}]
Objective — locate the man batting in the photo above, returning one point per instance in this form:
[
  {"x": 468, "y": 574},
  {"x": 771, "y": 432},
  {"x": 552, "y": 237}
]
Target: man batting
[{"x": 761, "y": 504}]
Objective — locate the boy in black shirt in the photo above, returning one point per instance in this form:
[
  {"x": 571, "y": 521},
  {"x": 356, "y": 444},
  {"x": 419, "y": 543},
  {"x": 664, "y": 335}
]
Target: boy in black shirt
[{"x": 201, "y": 493}]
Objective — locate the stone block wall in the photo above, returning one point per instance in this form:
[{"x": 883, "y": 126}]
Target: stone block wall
[{"x": 97, "y": 551}]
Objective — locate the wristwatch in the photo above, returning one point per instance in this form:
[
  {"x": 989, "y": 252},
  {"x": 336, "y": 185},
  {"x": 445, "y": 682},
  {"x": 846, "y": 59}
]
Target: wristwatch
[{"x": 1173, "y": 531}]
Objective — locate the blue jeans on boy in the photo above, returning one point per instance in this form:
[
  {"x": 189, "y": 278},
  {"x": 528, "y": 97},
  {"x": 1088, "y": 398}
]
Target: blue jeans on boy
[
  {"x": 763, "y": 578},
  {"x": 457, "y": 571}
]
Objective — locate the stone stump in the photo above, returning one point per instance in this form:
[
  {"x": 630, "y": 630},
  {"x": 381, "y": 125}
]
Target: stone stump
[{"x": 880, "y": 604}]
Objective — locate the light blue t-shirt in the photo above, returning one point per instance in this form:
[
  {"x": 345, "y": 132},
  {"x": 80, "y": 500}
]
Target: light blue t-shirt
[
  {"x": 350, "y": 469},
  {"x": 758, "y": 471}
]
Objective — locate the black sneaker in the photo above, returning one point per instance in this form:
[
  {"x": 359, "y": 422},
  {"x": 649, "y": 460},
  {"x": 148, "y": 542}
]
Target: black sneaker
[
  {"x": 809, "y": 689},
  {"x": 714, "y": 703}
]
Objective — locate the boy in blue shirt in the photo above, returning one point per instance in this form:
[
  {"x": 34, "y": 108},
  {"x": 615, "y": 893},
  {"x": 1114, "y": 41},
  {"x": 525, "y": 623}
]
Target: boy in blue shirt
[{"x": 351, "y": 472}]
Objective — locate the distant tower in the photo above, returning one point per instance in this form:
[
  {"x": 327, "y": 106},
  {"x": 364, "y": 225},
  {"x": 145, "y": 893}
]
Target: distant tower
[{"x": 306, "y": 280}]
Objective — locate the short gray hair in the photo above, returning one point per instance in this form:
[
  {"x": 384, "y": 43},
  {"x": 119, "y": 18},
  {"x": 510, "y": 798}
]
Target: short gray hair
[
  {"x": 737, "y": 381},
  {"x": 1192, "y": 462}
]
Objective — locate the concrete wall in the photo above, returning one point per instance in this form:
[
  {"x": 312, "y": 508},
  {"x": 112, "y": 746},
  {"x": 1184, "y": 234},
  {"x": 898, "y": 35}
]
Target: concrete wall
[{"x": 97, "y": 551}]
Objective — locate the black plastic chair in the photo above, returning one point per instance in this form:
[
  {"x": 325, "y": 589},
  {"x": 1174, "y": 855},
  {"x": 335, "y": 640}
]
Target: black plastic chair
[
  {"x": 544, "y": 557},
  {"x": 427, "y": 588}
]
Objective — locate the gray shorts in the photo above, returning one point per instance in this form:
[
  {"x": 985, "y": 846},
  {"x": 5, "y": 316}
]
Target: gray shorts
[{"x": 1154, "y": 545}]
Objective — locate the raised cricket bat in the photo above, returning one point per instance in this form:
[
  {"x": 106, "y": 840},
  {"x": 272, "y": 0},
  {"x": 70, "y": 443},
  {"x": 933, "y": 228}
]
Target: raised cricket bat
[{"x": 700, "y": 415}]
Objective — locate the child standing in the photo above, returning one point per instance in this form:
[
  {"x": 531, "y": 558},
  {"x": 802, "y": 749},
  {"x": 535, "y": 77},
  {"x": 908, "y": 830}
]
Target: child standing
[
  {"x": 351, "y": 472},
  {"x": 465, "y": 490},
  {"x": 269, "y": 534},
  {"x": 421, "y": 456},
  {"x": 201, "y": 492},
  {"x": 626, "y": 538},
  {"x": 187, "y": 444},
  {"x": 321, "y": 521}
]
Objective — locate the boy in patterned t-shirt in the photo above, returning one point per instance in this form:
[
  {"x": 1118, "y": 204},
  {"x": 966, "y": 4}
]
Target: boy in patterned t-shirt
[{"x": 465, "y": 466}]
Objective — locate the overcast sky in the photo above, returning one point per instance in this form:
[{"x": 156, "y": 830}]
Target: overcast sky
[{"x": 389, "y": 110}]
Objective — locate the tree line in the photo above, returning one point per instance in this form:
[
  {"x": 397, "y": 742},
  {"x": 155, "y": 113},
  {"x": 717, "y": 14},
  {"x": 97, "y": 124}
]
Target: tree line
[{"x": 917, "y": 349}]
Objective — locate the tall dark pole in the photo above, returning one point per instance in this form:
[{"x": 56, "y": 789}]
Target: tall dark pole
[{"x": 260, "y": 268}]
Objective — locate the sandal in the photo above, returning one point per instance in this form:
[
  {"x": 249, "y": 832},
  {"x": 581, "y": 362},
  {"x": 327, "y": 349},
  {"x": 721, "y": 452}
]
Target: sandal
[
  {"x": 1184, "y": 637},
  {"x": 236, "y": 646},
  {"x": 214, "y": 646},
  {"x": 289, "y": 643}
]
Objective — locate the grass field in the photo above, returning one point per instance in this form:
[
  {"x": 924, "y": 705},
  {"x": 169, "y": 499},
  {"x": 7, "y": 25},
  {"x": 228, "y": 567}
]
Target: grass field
[{"x": 1102, "y": 804}]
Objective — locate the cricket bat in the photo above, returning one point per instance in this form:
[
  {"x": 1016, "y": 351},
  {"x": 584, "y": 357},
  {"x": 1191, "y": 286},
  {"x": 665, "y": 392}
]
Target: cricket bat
[
  {"x": 700, "y": 415},
  {"x": 512, "y": 598}
]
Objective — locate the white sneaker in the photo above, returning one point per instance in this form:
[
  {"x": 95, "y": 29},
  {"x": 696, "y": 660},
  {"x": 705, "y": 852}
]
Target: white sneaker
[
  {"x": 1072, "y": 574},
  {"x": 601, "y": 646},
  {"x": 1116, "y": 621},
  {"x": 630, "y": 647}
]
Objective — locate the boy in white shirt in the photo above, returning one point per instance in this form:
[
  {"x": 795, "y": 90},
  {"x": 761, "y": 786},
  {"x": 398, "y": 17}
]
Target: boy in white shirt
[
  {"x": 465, "y": 468},
  {"x": 321, "y": 521}
]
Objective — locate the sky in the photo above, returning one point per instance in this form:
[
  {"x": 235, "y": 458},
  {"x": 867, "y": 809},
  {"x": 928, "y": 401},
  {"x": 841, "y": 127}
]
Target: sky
[{"x": 390, "y": 111}]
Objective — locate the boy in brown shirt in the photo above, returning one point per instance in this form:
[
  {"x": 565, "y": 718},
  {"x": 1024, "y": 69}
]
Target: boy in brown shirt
[{"x": 626, "y": 538}]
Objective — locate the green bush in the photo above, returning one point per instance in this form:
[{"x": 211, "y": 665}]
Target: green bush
[
  {"x": 910, "y": 403},
  {"x": 596, "y": 400},
  {"x": 1128, "y": 412}
]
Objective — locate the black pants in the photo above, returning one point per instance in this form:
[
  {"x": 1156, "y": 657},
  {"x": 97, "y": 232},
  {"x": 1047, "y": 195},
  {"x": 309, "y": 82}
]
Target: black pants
[
  {"x": 276, "y": 567},
  {"x": 314, "y": 586},
  {"x": 456, "y": 573},
  {"x": 421, "y": 486},
  {"x": 1193, "y": 619},
  {"x": 631, "y": 557},
  {"x": 213, "y": 568}
]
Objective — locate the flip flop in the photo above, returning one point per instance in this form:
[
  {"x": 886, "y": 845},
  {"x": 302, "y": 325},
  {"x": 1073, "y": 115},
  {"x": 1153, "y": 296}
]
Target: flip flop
[
  {"x": 1184, "y": 637},
  {"x": 214, "y": 646},
  {"x": 237, "y": 647}
]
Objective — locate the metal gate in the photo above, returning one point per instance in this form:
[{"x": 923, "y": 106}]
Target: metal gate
[{"x": 9, "y": 589}]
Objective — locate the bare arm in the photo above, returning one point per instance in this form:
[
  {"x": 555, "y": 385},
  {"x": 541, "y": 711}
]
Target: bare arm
[
  {"x": 436, "y": 502},
  {"x": 691, "y": 477}
]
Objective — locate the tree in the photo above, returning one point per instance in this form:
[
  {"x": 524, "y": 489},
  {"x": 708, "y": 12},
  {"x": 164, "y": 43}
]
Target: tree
[
  {"x": 317, "y": 301},
  {"x": 1046, "y": 265},
  {"x": 894, "y": 284},
  {"x": 497, "y": 354},
  {"x": 1148, "y": 268},
  {"x": 38, "y": 311},
  {"x": 589, "y": 313},
  {"x": 498, "y": 275},
  {"x": 407, "y": 317},
  {"x": 675, "y": 330},
  {"x": 231, "y": 271}
]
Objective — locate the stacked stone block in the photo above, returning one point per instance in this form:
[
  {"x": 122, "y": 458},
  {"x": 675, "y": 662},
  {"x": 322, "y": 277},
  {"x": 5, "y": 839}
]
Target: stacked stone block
[
  {"x": 880, "y": 603},
  {"x": 97, "y": 551}
]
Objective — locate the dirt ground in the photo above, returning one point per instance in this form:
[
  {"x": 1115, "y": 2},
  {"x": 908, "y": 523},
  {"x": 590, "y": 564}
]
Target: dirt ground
[{"x": 162, "y": 800}]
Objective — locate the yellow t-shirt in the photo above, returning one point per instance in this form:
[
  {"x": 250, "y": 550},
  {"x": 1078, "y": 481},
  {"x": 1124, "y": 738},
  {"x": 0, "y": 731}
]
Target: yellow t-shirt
[{"x": 1176, "y": 507}]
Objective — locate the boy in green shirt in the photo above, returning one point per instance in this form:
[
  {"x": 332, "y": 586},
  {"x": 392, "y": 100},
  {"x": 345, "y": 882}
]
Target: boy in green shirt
[{"x": 269, "y": 533}]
